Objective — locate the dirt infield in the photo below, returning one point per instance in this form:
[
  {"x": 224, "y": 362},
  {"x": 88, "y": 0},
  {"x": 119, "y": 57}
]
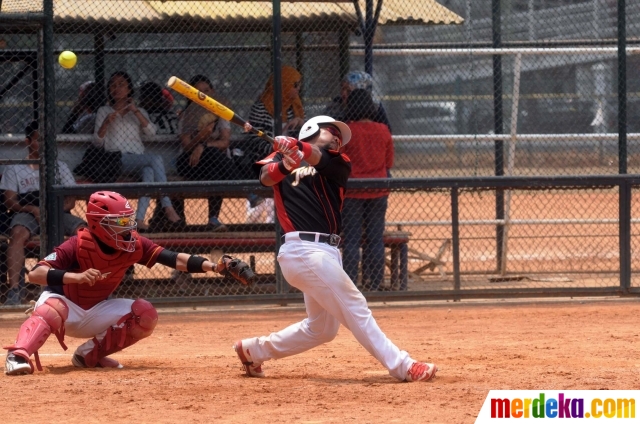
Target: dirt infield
[{"x": 187, "y": 372}]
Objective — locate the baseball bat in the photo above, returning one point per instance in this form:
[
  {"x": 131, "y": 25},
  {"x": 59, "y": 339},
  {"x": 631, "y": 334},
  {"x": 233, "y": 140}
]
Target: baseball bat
[{"x": 212, "y": 105}]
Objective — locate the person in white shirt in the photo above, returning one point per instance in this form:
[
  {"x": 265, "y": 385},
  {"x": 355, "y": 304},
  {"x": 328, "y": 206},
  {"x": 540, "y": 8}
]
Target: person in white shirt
[
  {"x": 119, "y": 128},
  {"x": 21, "y": 186}
]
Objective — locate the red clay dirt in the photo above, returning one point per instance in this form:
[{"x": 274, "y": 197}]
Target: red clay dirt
[{"x": 187, "y": 372}]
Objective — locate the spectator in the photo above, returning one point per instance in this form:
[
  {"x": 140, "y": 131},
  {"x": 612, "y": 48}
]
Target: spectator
[
  {"x": 92, "y": 99},
  {"x": 371, "y": 153},
  {"x": 21, "y": 185},
  {"x": 352, "y": 81},
  {"x": 205, "y": 139},
  {"x": 158, "y": 103},
  {"x": 261, "y": 117},
  {"x": 97, "y": 166},
  {"x": 119, "y": 128},
  {"x": 262, "y": 112},
  {"x": 79, "y": 107}
]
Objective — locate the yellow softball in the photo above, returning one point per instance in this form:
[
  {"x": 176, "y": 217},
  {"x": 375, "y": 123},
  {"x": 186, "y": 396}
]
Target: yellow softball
[{"x": 67, "y": 59}]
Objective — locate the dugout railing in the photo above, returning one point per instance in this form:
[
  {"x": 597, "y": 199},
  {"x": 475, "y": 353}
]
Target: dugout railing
[{"x": 459, "y": 281}]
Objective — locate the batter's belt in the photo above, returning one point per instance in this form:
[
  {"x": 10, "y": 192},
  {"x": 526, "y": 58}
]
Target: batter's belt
[{"x": 330, "y": 239}]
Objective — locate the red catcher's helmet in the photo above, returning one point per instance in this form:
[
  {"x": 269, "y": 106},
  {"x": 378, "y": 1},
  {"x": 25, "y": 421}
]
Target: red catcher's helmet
[{"x": 111, "y": 219}]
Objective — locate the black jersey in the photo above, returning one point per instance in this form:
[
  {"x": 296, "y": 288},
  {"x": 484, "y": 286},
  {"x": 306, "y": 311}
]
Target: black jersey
[{"x": 311, "y": 197}]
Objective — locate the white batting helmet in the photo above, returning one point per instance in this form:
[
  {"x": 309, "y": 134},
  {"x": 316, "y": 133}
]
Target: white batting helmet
[{"x": 312, "y": 127}]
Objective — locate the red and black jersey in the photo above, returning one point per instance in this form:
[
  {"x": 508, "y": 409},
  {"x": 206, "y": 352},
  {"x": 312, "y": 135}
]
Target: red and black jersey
[
  {"x": 81, "y": 252},
  {"x": 311, "y": 197}
]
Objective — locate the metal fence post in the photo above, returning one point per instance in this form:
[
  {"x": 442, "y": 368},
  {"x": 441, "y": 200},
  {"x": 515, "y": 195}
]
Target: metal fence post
[
  {"x": 48, "y": 222},
  {"x": 281, "y": 284},
  {"x": 624, "y": 229},
  {"x": 496, "y": 20},
  {"x": 455, "y": 239},
  {"x": 369, "y": 29},
  {"x": 625, "y": 188},
  {"x": 622, "y": 89},
  {"x": 98, "y": 59},
  {"x": 343, "y": 52}
]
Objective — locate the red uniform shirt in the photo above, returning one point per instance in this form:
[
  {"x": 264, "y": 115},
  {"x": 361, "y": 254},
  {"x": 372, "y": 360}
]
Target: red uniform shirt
[
  {"x": 371, "y": 152},
  {"x": 66, "y": 257}
]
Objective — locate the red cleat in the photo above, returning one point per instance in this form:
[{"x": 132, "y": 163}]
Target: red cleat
[
  {"x": 421, "y": 371},
  {"x": 252, "y": 370}
]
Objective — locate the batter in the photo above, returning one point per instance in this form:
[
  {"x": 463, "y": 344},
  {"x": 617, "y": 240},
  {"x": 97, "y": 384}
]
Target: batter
[{"x": 308, "y": 203}]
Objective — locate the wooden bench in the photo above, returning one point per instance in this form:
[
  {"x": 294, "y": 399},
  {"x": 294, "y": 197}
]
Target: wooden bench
[{"x": 233, "y": 242}]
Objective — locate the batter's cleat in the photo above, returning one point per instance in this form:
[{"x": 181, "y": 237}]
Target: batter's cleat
[
  {"x": 106, "y": 362},
  {"x": 17, "y": 365},
  {"x": 252, "y": 370},
  {"x": 421, "y": 371}
]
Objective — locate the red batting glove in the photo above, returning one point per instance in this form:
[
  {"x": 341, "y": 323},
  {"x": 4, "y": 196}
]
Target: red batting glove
[
  {"x": 292, "y": 160},
  {"x": 284, "y": 144}
]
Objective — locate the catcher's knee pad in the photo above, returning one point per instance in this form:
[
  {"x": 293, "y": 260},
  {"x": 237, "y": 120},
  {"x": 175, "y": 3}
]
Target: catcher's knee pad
[
  {"x": 143, "y": 320},
  {"x": 46, "y": 319},
  {"x": 54, "y": 311},
  {"x": 131, "y": 328}
]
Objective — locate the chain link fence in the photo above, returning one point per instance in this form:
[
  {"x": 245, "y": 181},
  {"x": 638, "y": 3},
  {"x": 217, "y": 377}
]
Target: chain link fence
[{"x": 452, "y": 90}]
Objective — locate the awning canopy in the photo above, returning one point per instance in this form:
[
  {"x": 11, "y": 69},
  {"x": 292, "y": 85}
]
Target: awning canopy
[{"x": 235, "y": 16}]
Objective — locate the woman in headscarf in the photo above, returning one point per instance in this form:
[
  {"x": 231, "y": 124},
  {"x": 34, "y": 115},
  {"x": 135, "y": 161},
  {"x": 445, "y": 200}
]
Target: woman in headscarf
[
  {"x": 261, "y": 117},
  {"x": 262, "y": 112}
]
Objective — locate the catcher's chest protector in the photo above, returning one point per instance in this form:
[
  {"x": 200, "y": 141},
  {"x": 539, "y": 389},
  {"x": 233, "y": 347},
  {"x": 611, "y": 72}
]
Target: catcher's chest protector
[{"x": 89, "y": 255}]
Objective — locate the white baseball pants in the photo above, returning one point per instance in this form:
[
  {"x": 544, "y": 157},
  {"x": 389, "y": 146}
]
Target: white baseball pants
[
  {"x": 93, "y": 322},
  {"x": 331, "y": 299}
]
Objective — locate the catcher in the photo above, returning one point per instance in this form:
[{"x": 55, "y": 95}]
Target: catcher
[{"x": 80, "y": 275}]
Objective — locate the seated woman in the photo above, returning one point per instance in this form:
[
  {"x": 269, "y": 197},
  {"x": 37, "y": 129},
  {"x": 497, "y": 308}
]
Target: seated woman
[
  {"x": 261, "y": 118},
  {"x": 97, "y": 165},
  {"x": 79, "y": 108},
  {"x": 88, "y": 105},
  {"x": 205, "y": 140},
  {"x": 158, "y": 103},
  {"x": 119, "y": 127}
]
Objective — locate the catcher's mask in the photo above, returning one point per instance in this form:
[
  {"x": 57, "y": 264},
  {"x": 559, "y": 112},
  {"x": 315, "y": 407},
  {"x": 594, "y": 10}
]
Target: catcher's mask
[
  {"x": 111, "y": 219},
  {"x": 311, "y": 128}
]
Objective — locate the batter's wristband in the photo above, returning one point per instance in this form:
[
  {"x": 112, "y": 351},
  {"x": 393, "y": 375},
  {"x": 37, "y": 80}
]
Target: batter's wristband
[
  {"x": 305, "y": 148},
  {"x": 194, "y": 264},
  {"x": 55, "y": 277},
  {"x": 277, "y": 172}
]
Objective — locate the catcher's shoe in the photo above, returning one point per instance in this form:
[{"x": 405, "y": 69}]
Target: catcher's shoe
[
  {"x": 252, "y": 370},
  {"x": 106, "y": 362},
  {"x": 17, "y": 365},
  {"x": 421, "y": 371}
]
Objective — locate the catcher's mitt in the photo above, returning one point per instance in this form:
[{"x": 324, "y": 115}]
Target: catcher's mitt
[{"x": 236, "y": 269}]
